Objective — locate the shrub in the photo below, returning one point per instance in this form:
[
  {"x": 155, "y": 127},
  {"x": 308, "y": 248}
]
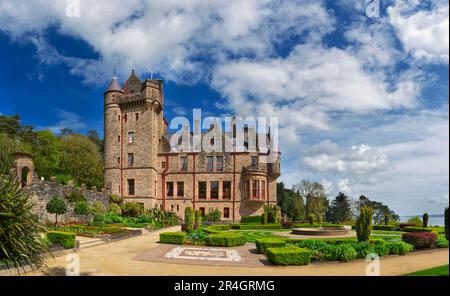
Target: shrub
[
  {"x": 228, "y": 239},
  {"x": 384, "y": 227},
  {"x": 114, "y": 218},
  {"x": 210, "y": 230},
  {"x": 189, "y": 219},
  {"x": 362, "y": 249},
  {"x": 177, "y": 238},
  {"x": 425, "y": 220},
  {"x": 97, "y": 208},
  {"x": 198, "y": 217},
  {"x": 213, "y": 216},
  {"x": 403, "y": 225},
  {"x": 442, "y": 242},
  {"x": 399, "y": 248},
  {"x": 380, "y": 247},
  {"x": 273, "y": 214},
  {"x": 252, "y": 219},
  {"x": 289, "y": 256},
  {"x": 81, "y": 208},
  {"x": 255, "y": 226},
  {"x": 417, "y": 229},
  {"x": 416, "y": 221},
  {"x": 420, "y": 239},
  {"x": 56, "y": 206},
  {"x": 197, "y": 237},
  {"x": 446, "y": 223},
  {"x": 115, "y": 199},
  {"x": 319, "y": 249},
  {"x": 76, "y": 196},
  {"x": 64, "y": 239},
  {"x": 20, "y": 242},
  {"x": 115, "y": 209},
  {"x": 262, "y": 244},
  {"x": 287, "y": 225},
  {"x": 220, "y": 227},
  {"x": 364, "y": 223},
  {"x": 311, "y": 219},
  {"x": 265, "y": 218},
  {"x": 132, "y": 209},
  {"x": 343, "y": 253}
]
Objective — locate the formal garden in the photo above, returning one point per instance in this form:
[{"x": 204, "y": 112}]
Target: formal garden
[{"x": 266, "y": 231}]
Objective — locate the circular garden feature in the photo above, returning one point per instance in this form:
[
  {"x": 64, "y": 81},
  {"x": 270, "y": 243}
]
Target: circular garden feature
[{"x": 329, "y": 230}]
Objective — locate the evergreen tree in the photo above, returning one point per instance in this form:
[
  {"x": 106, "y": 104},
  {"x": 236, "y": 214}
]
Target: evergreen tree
[{"x": 340, "y": 209}]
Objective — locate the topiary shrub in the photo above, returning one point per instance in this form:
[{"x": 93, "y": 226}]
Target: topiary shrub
[
  {"x": 420, "y": 239},
  {"x": 262, "y": 244},
  {"x": 56, "y": 206},
  {"x": 446, "y": 223},
  {"x": 115, "y": 209},
  {"x": 64, "y": 239},
  {"x": 364, "y": 223},
  {"x": 177, "y": 238},
  {"x": 425, "y": 220},
  {"x": 189, "y": 219},
  {"x": 265, "y": 218},
  {"x": 289, "y": 256},
  {"x": 227, "y": 239},
  {"x": 252, "y": 219},
  {"x": 311, "y": 219},
  {"x": 416, "y": 229},
  {"x": 384, "y": 227}
]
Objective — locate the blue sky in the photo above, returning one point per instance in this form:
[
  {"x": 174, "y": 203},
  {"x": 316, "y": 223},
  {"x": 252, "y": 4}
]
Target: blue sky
[{"x": 362, "y": 101}]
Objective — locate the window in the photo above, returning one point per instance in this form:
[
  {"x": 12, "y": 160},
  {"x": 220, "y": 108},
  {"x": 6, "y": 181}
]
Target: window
[
  {"x": 137, "y": 116},
  {"x": 130, "y": 186},
  {"x": 178, "y": 208},
  {"x": 263, "y": 189},
  {"x": 214, "y": 193},
  {"x": 226, "y": 190},
  {"x": 254, "y": 162},
  {"x": 255, "y": 189},
  {"x": 130, "y": 159},
  {"x": 169, "y": 188},
  {"x": 210, "y": 163},
  {"x": 180, "y": 189},
  {"x": 118, "y": 139},
  {"x": 118, "y": 117},
  {"x": 202, "y": 210},
  {"x": 125, "y": 117},
  {"x": 201, "y": 190},
  {"x": 226, "y": 213},
  {"x": 118, "y": 160},
  {"x": 184, "y": 164},
  {"x": 219, "y": 164},
  {"x": 171, "y": 207},
  {"x": 131, "y": 137}
]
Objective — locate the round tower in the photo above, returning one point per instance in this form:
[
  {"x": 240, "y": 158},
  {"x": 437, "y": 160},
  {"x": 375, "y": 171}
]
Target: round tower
[{"x": 113, "y": 137}]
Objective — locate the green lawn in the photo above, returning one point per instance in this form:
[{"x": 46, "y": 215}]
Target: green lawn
[{"x": 437, "y": 271}]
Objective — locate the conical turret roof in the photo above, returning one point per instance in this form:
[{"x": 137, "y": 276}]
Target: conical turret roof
[{"x": 114, "y": 85}]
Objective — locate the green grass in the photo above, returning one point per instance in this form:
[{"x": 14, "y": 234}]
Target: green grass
[
  {"x": 436, "y": 271},
  {"x": 252, "y": 235}
]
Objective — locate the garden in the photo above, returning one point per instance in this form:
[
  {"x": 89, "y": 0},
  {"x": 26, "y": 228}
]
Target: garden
[{"x": 380, "y": 239}]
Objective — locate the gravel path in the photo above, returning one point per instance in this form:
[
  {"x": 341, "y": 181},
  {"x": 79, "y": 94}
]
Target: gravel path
[{"x": 118, "y": 258}]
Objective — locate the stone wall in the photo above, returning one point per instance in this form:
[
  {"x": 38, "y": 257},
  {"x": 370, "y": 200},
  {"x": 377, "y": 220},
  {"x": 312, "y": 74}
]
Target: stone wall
[{"x": 44, "y": 190}]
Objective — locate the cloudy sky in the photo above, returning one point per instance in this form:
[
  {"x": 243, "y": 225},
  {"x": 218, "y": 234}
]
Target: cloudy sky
[{"x": 362, "y": 101}]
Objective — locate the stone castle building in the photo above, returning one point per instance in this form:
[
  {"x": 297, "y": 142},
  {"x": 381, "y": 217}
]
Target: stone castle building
[{"x": 141, "y": 166}]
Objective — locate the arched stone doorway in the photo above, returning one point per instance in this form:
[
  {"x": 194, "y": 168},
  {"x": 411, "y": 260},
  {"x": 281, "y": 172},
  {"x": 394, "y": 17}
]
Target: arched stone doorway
[{"x": 24, "y": 167}]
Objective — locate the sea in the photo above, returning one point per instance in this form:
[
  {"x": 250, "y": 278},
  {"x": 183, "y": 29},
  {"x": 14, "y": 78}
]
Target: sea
[{"x": 433, "y": 220}]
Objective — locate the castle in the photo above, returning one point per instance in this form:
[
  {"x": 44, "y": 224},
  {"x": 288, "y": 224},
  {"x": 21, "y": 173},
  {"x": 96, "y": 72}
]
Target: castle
[{"x": 141, "y": 166}]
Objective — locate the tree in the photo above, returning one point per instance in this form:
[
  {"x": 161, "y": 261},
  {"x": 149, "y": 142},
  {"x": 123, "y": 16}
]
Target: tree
[
  {"x": 20, "y": 241},
  {"x": 416, "y": 221},
  {"x": 291, "y": 203},
  {"x": 316, "y": 199},
  {"x": 81, "y": 159},
  {"x": 364, "y": 223},
  {"x": 66, "y": 131},
  {"x": 381, "y": 212},
  {"x": 446, "y": 223},
  {"x": 56, "y": 206},
  {"x": 425, "y": 220},
  {"x": 95, "y": 138},
  {"x": 340, "y": 210},
  {"x": 10, "y": 125},
  {"x": 46, "y": 151},
  {"x": 8, "y": 146}
]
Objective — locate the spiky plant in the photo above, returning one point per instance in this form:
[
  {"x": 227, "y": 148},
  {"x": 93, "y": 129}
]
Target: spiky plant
[
  {"x": 20, "y": 241},
  {"x": 364, "y": 223}
]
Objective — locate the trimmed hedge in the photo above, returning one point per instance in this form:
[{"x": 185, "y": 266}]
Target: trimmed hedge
[
  {"x": 256, "y": 226},
  {"x": 384, "y": 227},
  {"x": 228, "y": 239},
  {"x": 210, "y": 230},
  {"x": 252, "y": 219},
  {"x": 220, "y": 227},
  {"x": 417, "y": 229},
  {"x": 289, "y": 256},
  {"x": 262, "y": 244},
  {"x": 62, "y": 238},
  {"x": 420, "y": 239},
  {"x": 177, "y": 238}
]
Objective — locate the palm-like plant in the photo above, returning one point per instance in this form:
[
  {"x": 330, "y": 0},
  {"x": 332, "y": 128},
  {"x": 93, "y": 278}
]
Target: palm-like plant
[{"x": 20, "y": 240}]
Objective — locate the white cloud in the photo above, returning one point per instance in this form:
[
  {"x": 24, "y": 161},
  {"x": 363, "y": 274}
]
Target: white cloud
[
  {"x": 66, "y": 120},
  {"x": 424, "y": 33},
  {"x": 344, "y": 186}
]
